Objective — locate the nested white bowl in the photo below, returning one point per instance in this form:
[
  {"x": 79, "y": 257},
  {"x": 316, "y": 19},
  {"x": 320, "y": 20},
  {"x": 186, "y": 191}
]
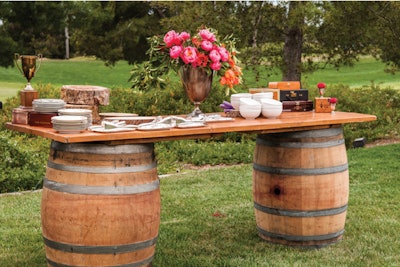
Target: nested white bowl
[
  {"x": 249, "y": 108},
  {"x": 265, "y": 95},
  {"x": 249, "y": 113},
  {"x": 271, "y": 108},
  {"x": 235, "y": 99},
  {"x": 249, "y": 102}
]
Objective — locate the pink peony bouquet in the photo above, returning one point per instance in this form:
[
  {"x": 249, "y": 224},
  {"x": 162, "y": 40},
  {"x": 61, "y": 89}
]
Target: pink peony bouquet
[{"x": 202, "y": 50}]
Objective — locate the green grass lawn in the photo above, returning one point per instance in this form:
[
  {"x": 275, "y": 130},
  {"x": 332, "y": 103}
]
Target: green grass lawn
[
  {"x": 63, "y": 72},
  {"x": 191, "y": 236},
  {"x": 94, "y": 72}
]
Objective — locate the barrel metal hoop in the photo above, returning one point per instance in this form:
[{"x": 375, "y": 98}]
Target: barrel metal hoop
[
  {"x": 99, "y": 249},
  {"x": 102, "y": 149},
  {"x": 300, "y": 213},
  {"x": 330, "y": 132},
  {"x": 300, "y": 171},
  {"x": 277, "y": 143},
  {"x": 300, "y": 238},
  {"x": 274, "y": 143},
  {"x": 93, "y": 169},
  {"x": 101, "y": 190},
  {"x": 135, "y": 264}
]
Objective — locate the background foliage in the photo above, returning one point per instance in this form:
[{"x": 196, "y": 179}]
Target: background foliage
[{"x": 114, "y": 30}]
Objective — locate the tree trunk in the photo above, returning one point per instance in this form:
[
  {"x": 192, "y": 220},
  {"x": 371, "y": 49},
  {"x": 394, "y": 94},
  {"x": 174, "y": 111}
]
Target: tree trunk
[
  {"x": 292, "y": 48},
  {"x": 66, "y": 43},
  {"x": 256, "y": 23}
]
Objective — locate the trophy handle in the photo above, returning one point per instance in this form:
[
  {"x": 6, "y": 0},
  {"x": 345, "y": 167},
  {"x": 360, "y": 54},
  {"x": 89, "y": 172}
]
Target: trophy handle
[
  {"x": 16, "y": 57},
  {"x": 40, "y": 56}
]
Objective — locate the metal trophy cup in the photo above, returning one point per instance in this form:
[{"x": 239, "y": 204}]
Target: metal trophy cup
[{"x": 28, "y": 69}]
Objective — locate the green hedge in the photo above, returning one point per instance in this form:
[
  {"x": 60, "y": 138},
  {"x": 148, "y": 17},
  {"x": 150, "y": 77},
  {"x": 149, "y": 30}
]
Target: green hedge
[
  {"x": 22, "y": 164},
  {"x": 23, "y": 158}
]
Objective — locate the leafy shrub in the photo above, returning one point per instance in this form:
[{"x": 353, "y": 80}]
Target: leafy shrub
[
  {"x": 382, "y": 102},
  {"x": 22, "y": 166},
  {"x": 171, "y": 100}
]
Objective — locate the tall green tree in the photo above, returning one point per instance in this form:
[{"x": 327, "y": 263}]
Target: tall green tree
[
  {"x": 386, "y": 37},
  {"x": 33, "y": 27},
  {"x": 114, "y": 31}
]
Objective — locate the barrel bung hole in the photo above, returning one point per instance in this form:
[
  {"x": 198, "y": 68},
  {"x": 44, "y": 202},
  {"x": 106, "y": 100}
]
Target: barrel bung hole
[{"x": 277, "y": 191}]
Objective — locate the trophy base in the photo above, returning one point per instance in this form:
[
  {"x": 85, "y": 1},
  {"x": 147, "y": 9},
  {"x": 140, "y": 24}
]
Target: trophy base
[{"x": 27, "y": 96}]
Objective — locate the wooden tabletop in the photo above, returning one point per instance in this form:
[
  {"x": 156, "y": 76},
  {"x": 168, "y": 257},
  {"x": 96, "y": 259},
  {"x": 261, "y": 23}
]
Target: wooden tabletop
[{"x": 287, "y": 122}]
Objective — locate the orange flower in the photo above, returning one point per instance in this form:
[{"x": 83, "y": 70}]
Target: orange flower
[{"x": 196, "y": 41}]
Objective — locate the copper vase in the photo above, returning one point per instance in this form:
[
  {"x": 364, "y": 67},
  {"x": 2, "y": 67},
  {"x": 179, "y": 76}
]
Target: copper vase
[{"x": 197, "y": 84}]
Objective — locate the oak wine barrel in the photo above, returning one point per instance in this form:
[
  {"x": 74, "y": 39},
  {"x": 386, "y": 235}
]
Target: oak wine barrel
[
  {"x": 301, "y": 187},
  {"x": 100, "y": 205}
]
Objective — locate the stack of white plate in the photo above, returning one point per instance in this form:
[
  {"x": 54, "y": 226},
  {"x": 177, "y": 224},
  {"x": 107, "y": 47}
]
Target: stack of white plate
[
  {"x": 77, "y": 112},
  {"x": 69, "y": 124},
  {"x": 47, "y": 105}
]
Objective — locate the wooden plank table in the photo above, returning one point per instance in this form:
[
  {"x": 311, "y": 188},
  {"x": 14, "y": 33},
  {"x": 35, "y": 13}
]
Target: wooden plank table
[
  {"x": 101, "y": 199},
  {"x": 287, "y": 122}
]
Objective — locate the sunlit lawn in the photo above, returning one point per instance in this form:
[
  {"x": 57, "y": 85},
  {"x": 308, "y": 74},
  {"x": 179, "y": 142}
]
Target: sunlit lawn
[
  {"x": 191, "y": 235},
  {"x": 94, "y": 72}
]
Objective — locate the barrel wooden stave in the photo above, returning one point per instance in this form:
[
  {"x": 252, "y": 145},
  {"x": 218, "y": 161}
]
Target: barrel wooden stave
[
  {"x": 100, "y": 207},
  {"x": 301, "y": 187}
]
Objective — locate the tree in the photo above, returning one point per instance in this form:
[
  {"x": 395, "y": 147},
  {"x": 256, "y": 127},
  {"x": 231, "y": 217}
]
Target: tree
[
  {"x": 387, "y": 34},
  {"x": 293, "y": 42},
  {"x": 27, "y": 25},
  {"x": 114, "y": 30}
]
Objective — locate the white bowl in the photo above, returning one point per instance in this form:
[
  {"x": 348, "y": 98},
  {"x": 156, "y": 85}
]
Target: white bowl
[
  {"x": 240, "y": 95},
  {"x": 249, "y": 109},
  {"x": 249, "y": 102},
  {"x": 270, "y": 102},
  {"x": 265, "y": 95},
  {"x": 271, "y": 108},
  {"x": 271, "y": 113},
  {"x": 235, "y": 99}
]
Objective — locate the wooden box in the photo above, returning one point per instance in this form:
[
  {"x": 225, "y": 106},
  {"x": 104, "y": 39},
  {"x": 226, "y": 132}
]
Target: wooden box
[
  {"x": 41, "y": 119},
  {"x": 285, "y": 85},
  {"x": 293, "y": 95},
  {"x": 258, "y": 90},
  {"x": 27, "y": 96},
  {"x": 303, "y": 105},
  {"x": 322, "y": 105},
  {"x": 20, "y": 116}
]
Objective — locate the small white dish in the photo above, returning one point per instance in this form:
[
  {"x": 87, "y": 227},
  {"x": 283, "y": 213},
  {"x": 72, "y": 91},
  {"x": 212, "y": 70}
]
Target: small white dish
[
  {"x": 190, "y": 124},
  {"x": 154, "y": 127},
  {"x": 100, "y": 129}
]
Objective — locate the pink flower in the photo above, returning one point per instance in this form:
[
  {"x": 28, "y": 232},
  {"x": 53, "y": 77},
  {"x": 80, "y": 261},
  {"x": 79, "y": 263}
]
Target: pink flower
[
  {"x": 215, "y": 65},
  {"x": 207, "y": 35},
  {"x": 206, "y": 45},
  {"x": 214, "y": 55},
  {"x": 333, "y": 100},
  {"x": 175, "y": 51},
  {"x": 321, "y": 85},
  {"x": 224, "y": 53},
  {"x": 189, "y": 54},
  {"x": 171, "y": 38},
  {"x": 184, "y": 36}
]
